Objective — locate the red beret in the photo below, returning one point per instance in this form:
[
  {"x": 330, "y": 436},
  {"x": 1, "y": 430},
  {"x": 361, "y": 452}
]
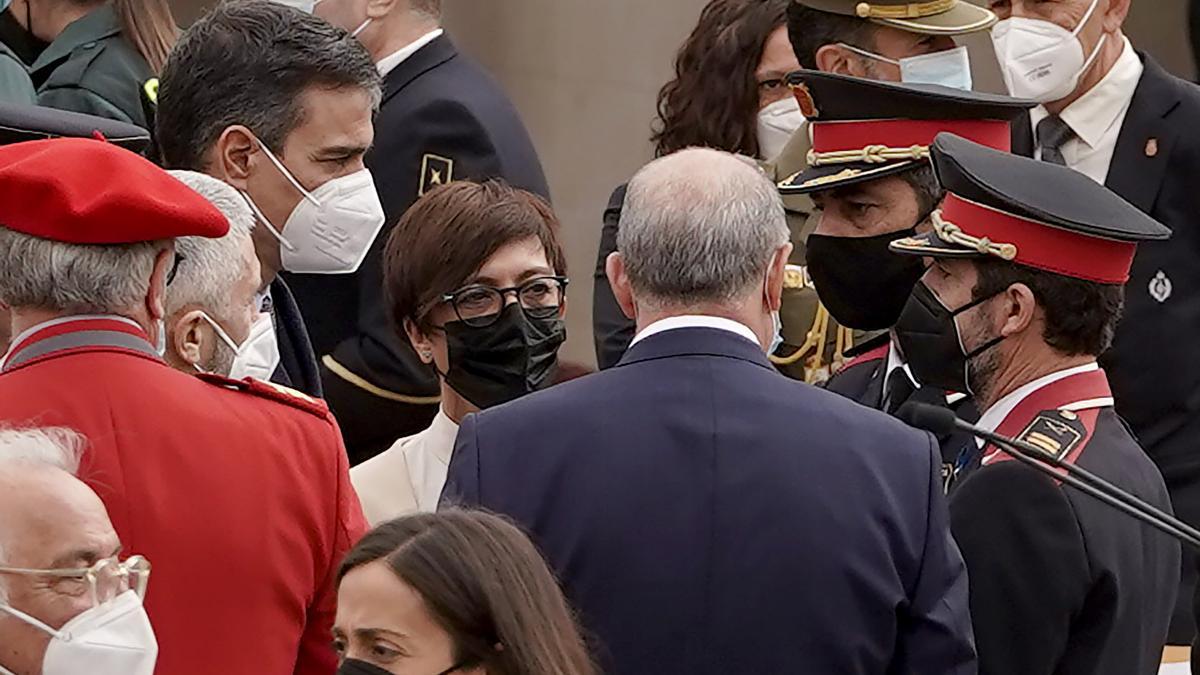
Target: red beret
[{"x": 85, "y": 191}]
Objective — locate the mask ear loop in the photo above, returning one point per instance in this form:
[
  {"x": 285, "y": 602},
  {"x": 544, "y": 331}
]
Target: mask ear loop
[
  {"x": 262, "y": 218},
  {"x": 288, "y": 174},
  {"x": 58, "y": 635},
  {"x": 869, "y": 55}
]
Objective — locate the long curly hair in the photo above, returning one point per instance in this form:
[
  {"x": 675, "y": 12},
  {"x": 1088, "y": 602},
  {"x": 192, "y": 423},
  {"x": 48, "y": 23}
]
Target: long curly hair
[{"x": 713, "y": 99}]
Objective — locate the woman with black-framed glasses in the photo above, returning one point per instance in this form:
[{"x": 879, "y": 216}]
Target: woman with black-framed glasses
[{"x": 475, "y": 278}]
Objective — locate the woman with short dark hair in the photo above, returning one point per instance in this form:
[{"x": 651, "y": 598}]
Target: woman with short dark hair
[
  {"x": 453, "y": 592},
  {"x": 474, "y": 275}
]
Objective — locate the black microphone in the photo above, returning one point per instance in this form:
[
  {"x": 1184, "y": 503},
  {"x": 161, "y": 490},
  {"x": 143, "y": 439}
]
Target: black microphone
[{"x": 942, "y": 421}]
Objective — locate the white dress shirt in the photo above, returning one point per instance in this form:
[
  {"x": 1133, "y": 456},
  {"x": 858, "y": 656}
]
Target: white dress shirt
[
  {"x": 695, "y": 321},
  {"x": 409, "y": 476},
  {"x": 388, "y": 63},
  {"x": 994, "y": 416},
  {"x": 1097, "y": 117}
]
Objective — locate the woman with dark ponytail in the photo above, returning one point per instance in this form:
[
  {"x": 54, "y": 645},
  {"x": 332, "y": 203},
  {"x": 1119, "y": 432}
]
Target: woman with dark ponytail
[{"x": 101, "y": 53}]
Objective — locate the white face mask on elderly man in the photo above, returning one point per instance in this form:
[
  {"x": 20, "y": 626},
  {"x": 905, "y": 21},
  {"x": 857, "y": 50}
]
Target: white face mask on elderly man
[
  {"x": 112, "y": 638},
  {"x": 257, "y": 356},
  {"x": 1042, "y": 61},
  {"x": 331, "y": 229}
]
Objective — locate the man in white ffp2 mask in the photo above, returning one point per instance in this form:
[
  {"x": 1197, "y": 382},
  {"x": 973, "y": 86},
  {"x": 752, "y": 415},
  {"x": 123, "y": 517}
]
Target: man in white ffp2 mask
[
  {"x": 1118, "y": 117},
  {"x": 68, "y": 604},
  {"x": 214, "y": 322}
]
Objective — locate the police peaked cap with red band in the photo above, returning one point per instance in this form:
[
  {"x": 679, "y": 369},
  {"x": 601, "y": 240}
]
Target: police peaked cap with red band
[
  {"x": 85, "y": 191},
  {"x": 863, "y": 130},
  {"x": 1030, "y": 213}
]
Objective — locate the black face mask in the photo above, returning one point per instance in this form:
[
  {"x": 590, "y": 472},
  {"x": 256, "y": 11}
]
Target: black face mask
[
  {"x": 356, "y": 667},
  {"x": 25, "y": 44},
  {"x": 860, "y": 281},
  {"x": 504, "y": 361},
  {"x": 928, "y": 336}
]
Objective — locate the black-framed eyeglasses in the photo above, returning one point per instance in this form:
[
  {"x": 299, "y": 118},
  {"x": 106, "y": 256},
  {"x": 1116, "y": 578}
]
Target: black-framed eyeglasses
[
  {"x": 179, "y": 257},
  {"x": 479, "y": 306}
]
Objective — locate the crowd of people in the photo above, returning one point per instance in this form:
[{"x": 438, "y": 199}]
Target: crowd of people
[{"x": 890, "y": 371}]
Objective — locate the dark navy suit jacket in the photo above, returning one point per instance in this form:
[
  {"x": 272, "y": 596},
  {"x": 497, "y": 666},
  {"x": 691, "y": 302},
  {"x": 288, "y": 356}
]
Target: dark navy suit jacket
[{"x": 709, "y": 515}]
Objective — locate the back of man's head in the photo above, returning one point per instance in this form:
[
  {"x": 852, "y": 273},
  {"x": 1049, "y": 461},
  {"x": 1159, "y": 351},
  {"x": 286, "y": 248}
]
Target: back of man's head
[
  {"x": 249, "y": 63},
  {"x": 209, "y": 268},
  {"x": 699, "y": 229}
]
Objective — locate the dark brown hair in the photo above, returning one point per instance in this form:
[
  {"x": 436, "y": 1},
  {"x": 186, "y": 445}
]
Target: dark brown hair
[
  {"x": 810, "y": 29},
  {"x": 448, "y": 234},
  {"x": 1081, "y": 316},
  {"x": 150, "y": 27},
  {"x": 713, "y": 100},
  {"x": 486, "y": 585}
]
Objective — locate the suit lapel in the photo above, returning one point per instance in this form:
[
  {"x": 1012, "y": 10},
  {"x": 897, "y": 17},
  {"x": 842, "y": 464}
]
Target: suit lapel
[
  {"x": 432, "y": 55},
  {"x": 1140, "y": 160}
]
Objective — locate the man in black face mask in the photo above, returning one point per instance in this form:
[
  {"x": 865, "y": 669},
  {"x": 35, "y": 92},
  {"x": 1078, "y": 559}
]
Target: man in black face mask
[
  {"x": 871, "y": 182},
  {"x": 1024, "y": 292}
]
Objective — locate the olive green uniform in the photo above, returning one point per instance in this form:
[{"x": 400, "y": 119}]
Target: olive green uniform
[
  {"x": 15, "y": 85},
  {"x": 90, "y": 68}
]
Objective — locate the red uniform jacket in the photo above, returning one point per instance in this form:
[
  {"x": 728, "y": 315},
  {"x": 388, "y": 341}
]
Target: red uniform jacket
[{"x": 237, "y": 492}]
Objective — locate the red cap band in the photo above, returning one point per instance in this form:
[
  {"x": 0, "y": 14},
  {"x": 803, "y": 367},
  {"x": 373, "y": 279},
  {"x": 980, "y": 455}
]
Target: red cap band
[
  {"x": 1043, "y": 246},
  {"x": 858, "y": 134}
]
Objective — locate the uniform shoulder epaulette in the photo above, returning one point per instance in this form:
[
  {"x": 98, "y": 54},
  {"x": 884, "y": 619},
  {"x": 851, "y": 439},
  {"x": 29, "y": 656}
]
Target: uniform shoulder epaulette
[
  {"x": 70, "y": 73},
  {"x": 874, "y": 349},
  {"x": 272, "y": 391},
  {"x": 1058, "y": 433}
]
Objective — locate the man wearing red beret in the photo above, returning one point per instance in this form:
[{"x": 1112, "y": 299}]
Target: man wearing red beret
[{"x": 238, "y": 490}]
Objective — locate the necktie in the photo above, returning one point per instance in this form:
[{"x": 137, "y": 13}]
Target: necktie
[
  {"x": 1052, "y": 134},
  {"x": 899, "y": 389}
]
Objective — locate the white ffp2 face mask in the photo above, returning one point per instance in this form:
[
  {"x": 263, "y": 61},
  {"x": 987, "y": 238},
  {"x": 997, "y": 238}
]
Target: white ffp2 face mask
[
  {"x": 114, "y": 638},
  {"x": 1042, "y": 61},
  {"x": 950, "y": 68},
  {"x": 257, "y": 356},
  {"x": 331, "y": 229},
  {"x": 776, "y": 124}
]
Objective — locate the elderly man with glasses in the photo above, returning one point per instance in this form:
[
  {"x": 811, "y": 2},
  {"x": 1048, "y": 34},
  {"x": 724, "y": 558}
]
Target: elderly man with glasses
[{"x": 61, "y": 568}]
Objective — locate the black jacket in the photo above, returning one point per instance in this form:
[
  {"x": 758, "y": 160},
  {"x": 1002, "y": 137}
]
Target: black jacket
[
  {"x": 1154, "y": 366},
  {"x": 297, "y": 363},
  {"x": 1061, "y": 583}
]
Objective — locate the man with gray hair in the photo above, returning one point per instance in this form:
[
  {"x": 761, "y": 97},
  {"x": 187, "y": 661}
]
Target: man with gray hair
[
  {"x": 213, "y": 320},
  {"x": 692, "y": 527},
  {"x": 59, "y": 567}
]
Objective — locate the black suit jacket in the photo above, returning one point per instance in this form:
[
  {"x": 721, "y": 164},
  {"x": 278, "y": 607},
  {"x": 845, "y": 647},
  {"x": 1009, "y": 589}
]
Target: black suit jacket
[
  {"x": 701, "y": 534},
  {"x": 1154, "y": 366},
  {"x": 441, "y": 114},
  {"x": 297, "y": 363}
]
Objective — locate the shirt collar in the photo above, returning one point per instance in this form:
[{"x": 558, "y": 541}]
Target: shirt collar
[
  {"x": 695, "y": 321},
  {"x": 441, "y": 435},
  {"x": 29, "y": 332},
  {"x": 1092, "y": 115},
  {"x": 995, "y": 415},
  {"x": 388, "y": 63}
]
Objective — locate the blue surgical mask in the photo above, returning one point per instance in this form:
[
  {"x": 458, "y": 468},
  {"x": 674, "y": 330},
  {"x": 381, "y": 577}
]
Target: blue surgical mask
[
  {"x": 950, "y": 68},
  {"x": 4, "y": 4},
  {"x": 778, "y": 337}
]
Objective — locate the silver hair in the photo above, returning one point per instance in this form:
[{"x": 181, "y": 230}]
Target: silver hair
[
  {"x": 48, "y": 447},
  {"x": 699, "y": 227},
  {"x": 74, "y": 278},
  {"x": 209, "y": 267}
]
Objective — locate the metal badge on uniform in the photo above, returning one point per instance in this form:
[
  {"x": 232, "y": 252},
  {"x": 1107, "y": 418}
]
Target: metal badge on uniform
[
  {"x": 1161, "y": 287},
  {"x": 1152, "y": 147},
  {"x": 1055, "y": 432},
  {"x": 435, "y": 170}
]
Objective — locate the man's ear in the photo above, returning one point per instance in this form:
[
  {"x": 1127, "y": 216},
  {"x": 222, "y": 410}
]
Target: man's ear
[
  {"x": 1020, "y": 310},
  {"x": 420, "y": 341},
  {"x": 614, "y": 268},
  {"x": 156, "y": 299},
  {"x": 776, "y": 273},
  {"x": 840, "y": 61},
  {"x": 1114, "y": 17},
  {"x": 234, "y": 150},
  {"x": 186, "y": 337},
  {"x": 377, "y": 9}
]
